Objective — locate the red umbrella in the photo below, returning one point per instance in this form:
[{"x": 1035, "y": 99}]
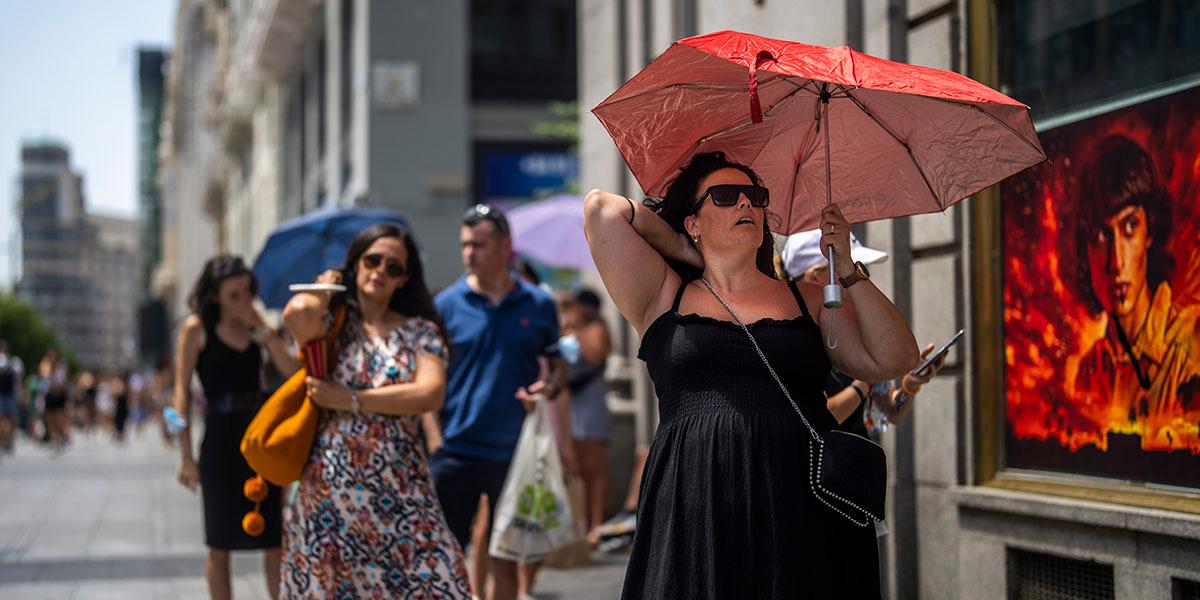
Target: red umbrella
[{"x": 880, "y": 139}]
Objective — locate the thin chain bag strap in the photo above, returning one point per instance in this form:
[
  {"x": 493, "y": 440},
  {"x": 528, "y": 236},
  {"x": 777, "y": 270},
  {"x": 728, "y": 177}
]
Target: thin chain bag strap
[{"x": 814, "y": 468}]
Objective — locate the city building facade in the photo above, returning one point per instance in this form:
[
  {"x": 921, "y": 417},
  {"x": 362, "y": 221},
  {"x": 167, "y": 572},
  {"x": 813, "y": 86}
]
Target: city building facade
[
  {"x": 151, "y": 86},
  {"x": 982, "y": 503},
  {"x": 78, "y": 270},
  {"x": 347, "y": 103},
  {"x": 187, "y": 147},
  {"x": 112, "y": 263}
]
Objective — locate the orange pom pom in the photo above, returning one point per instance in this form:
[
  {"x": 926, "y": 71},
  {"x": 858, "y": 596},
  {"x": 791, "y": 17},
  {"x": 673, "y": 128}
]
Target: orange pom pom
[
  {"x": 255, "y": 489},
  {"x": 253, "y": 523}
]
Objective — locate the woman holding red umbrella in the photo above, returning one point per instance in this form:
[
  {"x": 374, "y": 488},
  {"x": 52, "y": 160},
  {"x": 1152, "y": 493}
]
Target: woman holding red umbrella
[{"x": 726, "y": 509}]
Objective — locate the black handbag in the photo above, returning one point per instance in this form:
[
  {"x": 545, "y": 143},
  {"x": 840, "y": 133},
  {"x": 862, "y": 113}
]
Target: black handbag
[{"x": 846, "y": 472}]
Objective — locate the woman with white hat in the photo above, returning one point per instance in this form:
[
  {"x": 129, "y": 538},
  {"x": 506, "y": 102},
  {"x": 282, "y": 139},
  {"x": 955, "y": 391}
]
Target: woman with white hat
[{"x": 803, "y": 260}]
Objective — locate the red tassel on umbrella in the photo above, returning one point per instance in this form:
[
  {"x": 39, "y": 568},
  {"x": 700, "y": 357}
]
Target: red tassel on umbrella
[{"x": 755, "y": 106}]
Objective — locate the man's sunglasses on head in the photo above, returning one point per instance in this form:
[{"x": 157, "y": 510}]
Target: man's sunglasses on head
[{"x": 484, "y": 212}]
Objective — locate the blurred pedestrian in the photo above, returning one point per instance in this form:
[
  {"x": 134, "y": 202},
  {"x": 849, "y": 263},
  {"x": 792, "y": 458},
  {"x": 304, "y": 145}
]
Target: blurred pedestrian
[
  {"x": 55, "y": 392},
  {"x": 12, "y": 371},
  {"x": 222, "y": 342},
  {"x": 120, "y": 395},
  {"x": 499, "y": 326},
  {"x": 86, "y": 385},
  {"x": 616, "y": 534},
  {"x": 726, "y": 506},
  {"x": 591, "y": 421},
  {"x": 527, "y": 571},
  {"x": 29, "y": 418},
  {"x": 138, "y": 384},
  {"x": 105, "y": 405},
  {"x": 365, "y": 522}
]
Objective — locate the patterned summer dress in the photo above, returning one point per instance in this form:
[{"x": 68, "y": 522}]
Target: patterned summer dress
[{"x": 366, "y": 522}]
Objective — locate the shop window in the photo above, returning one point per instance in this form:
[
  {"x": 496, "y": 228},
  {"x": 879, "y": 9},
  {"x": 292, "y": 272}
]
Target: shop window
[
  {"x": 1100, "y": 262},
  {"x": 1099, "y": 244}
]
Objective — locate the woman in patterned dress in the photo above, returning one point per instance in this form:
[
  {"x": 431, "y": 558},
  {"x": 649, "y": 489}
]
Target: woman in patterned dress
[{"x": 366, "y": 522}]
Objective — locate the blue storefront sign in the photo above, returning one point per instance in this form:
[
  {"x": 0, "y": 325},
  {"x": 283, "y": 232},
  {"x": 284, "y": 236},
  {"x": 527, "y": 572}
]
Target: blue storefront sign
[{"x": 524, "y": 175}]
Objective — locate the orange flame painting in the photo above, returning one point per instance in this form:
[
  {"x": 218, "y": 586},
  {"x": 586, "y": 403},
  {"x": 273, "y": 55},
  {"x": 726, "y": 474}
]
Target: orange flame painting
[{"x": 1101, "y": 268}]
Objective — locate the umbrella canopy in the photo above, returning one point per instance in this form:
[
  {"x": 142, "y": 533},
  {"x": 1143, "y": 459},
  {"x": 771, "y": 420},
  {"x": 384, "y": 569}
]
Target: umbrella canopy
[
  {"x": 302, "y": 248},
  {"x": 551, "y": 231},
  {"x": 878, "y": 138}
]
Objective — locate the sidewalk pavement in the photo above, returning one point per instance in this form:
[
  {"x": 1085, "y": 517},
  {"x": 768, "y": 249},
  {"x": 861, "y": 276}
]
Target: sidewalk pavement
[{"x": 102, "y": 520}]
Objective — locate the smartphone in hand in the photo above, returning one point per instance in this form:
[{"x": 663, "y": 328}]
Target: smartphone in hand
[{"x": 940, "y": 353}]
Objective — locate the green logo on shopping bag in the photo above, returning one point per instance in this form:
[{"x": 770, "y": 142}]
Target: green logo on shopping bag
[{"x": 539, "y": 504}]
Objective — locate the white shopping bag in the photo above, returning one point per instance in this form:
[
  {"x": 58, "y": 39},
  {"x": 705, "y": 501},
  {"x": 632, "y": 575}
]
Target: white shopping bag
[{"x": 533, "y": 516}]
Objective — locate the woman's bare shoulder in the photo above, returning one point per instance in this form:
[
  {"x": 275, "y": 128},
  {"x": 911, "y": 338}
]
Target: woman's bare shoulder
[
  {"x": 192, "y": 322},
  {"x": 192, "y": 328},
  {"x": 811, "y": 293}
]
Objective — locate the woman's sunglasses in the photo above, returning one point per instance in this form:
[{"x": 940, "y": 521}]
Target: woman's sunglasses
[
  {"x": 393, "y": 269},
  {"x": 727, "y": 194}
]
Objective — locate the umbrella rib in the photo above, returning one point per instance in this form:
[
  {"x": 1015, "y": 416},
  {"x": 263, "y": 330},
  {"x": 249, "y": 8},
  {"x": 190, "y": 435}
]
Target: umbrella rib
[
  {"x": 796, "y": 171},
  {"x": 699, "y": 86},
  {"x": 807, "y": 83},
  {"x": 992, "y": 117},
  {"x": 745, "y": 124},
  {"x": 936, "y": 200}
]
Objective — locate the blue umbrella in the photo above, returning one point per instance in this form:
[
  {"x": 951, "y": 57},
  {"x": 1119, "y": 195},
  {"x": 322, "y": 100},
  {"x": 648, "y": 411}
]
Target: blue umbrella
[{"x": 300, "y": 249}]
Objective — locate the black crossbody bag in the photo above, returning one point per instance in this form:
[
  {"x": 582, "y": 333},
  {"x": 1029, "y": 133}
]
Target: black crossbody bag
[{"x": 846, "y": 472}]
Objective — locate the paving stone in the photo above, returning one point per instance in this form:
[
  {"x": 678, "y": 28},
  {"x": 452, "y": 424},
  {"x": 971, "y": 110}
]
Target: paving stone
[{"x": 101, "y": 521}]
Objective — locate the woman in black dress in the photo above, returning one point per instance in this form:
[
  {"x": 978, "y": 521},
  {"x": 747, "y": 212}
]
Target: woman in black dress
[
  {"x": 222, "y": 342},
  {"x": 120, "y": 392},
  {"x": 726, "y": 510}
]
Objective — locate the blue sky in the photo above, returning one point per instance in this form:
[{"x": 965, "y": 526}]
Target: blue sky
[{"x": 68, "y": 71}]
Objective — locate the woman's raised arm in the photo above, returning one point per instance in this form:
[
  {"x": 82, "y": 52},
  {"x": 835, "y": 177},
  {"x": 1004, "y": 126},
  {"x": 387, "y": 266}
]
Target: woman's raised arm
[{"x": 628, "y": 243}]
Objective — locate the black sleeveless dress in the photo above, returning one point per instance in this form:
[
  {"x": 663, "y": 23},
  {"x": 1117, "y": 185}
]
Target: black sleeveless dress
[
  {"x": 725, "y": 509},
  {"x": 232, "y": 388}
]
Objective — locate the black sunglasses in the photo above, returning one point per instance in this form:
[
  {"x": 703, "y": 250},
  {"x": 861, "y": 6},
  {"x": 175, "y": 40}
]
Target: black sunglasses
[
  {"x": 393, "y": 269},
  {"x": 484, "y": 212},
  {"x": 727, "y": 194}
]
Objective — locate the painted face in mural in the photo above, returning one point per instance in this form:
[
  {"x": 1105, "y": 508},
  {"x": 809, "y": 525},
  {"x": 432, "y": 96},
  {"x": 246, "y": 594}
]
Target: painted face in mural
[{"x": 1117, "y": 254}]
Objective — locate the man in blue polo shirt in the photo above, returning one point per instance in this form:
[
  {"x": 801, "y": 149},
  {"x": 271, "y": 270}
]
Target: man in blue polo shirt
[{"x": 498, "y": 327}]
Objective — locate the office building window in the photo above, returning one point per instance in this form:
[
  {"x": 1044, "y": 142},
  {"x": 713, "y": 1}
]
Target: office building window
[
  {"x": 1064, "y": 55},
  {"x": 523, "y": 50}
]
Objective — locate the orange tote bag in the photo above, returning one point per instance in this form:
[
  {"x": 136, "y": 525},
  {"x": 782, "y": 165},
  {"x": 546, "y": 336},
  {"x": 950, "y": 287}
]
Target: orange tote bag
[{"x": 279, "y": 439}]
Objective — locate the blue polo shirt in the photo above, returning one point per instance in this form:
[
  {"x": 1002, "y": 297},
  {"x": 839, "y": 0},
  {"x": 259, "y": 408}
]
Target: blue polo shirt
[{"x": 494, "y": 350}]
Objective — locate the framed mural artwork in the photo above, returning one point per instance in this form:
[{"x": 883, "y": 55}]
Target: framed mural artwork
[{"x": 1101, "y": 285}]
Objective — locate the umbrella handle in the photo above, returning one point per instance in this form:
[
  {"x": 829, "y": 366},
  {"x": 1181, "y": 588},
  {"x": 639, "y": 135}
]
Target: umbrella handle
[{"x": 833, "y": 291}]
